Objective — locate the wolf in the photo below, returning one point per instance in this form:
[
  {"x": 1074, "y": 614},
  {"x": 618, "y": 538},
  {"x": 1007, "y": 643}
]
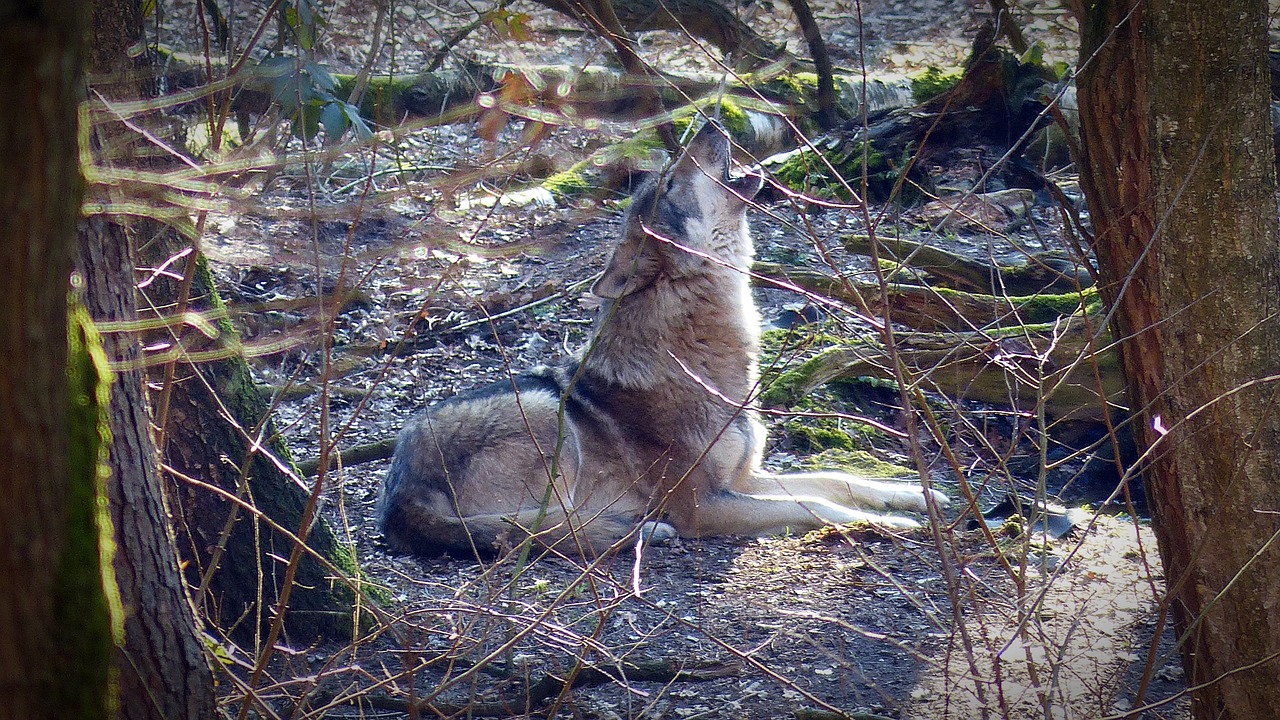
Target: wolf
[{"x": 650, "y": 431}]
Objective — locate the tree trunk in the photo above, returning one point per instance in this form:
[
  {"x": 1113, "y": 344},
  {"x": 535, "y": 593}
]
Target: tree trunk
[
  {"x": 1180, "y": 179},
  {"x": 162, "y": 667},
  {"x": 707, "y": 20},
  {"x": 242, "y": 575},
  {"x": 201, "y": 443},
  {"x": 828, "y": 115},
  {"x": 54, "y": 637}
]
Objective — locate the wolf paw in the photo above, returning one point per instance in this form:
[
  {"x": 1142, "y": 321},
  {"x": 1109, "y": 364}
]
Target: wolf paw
[
  {"x": 657, "y": 533},
  {"x": 895, "y": 522},
  {"x": 912, "y": 497}
]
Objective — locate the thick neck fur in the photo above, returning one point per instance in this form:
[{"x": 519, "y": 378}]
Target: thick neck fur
[{"x": 695, "y": 323}]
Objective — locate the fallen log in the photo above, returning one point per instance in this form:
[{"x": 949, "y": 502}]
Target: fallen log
[
  {"x": 1043, "y": 272},
  {"x": 996, "y": 103},
  {"x": 546, "y": 93},
  {"x": 1050, "y": 365},
  {"x": 931, "y": 309}
]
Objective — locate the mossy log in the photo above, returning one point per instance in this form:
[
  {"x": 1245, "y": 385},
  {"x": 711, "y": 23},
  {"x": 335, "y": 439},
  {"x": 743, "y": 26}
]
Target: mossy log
[
  {"x": 1043, "y": 272},
  {"x": 1047, "y": 364},
  {"x": 554, "y": 94},
  {"x": 930, "y": 309},
  {"x": 996, "y": 102}
]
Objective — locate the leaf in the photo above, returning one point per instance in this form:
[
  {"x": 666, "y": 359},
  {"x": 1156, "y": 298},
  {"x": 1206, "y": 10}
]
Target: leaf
[
  {"x": 321, "y": 76},
  {"x": 334, "y": 119},
  {"x": 507, "y": 24},
  {"x": 1034, "y": 54},
  {"x": 278, "y": 66},
  {"x": 306, "y": 124},
  {"x": 363, "y": 131}
]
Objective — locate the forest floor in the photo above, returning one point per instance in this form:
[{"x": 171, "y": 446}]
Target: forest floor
[{"x": 448, "y": 295}]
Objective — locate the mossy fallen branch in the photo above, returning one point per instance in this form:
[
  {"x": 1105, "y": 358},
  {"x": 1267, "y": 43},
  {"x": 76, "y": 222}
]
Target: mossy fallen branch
[
  {"x": 931, "y": 309},
  {"x": 1043, "y": 272},
  {"x": 1020, "y": 367}
]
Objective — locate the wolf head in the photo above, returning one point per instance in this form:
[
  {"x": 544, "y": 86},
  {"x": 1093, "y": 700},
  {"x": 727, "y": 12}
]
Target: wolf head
[{"x": 690, "y": 215}]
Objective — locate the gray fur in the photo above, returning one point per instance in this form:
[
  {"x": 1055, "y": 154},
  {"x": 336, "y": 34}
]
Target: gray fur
[{"x": 651, "y": 431}]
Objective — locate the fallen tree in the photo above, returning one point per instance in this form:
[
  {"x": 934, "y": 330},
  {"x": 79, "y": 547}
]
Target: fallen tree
[
  {"x": 1043, "y": 272},
  {"x": 927, "y": 308},
  {"x": 1051, "y": 364},
  {"x": 554, "y": 94},
  {"x": 996, "y": 102}
]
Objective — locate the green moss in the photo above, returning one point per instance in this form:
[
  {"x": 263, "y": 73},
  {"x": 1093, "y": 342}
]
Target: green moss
[
  {"x": 818, "y": 434},
  {"x": 789, "y": 359},
  {"x": 734, "y": 118},
  {"x": 1045, "y": 308},
  {"x": 86, "y": 599},
  {"x": 731, "y": 115},
  {"x": 798, "y": 87},
  {"x": 383, "y": 96},
  {"x": 811, "y": 173},
  {"x": 569, "y": 183},
  {"x": 857, "y": 462},
  {"x": 788, "y": 362},
  {"x": 344, "y": 557},
  {"x": 785, "y": 386},
  {"x": 932, "y": 82}
]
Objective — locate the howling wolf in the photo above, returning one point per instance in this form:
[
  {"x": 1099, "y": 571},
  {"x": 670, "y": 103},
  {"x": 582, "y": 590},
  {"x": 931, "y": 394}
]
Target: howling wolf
[{"x": 651, "y": 430}]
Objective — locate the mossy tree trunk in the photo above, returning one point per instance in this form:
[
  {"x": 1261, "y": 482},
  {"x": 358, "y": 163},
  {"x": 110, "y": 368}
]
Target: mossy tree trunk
[
  {"x": 204, "y": 416},
  {"x": 1179, "y": 174},
  {"x": 213, "y": 410},
  {"x": 162, "y": 666},
  {"x": 54, "y": 632}
]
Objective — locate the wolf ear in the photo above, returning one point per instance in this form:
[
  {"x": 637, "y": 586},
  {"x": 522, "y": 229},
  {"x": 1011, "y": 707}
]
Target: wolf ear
[{"x": 632, "y": 267}]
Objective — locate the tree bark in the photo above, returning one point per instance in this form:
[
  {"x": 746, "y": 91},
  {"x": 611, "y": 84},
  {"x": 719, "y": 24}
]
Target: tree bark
[
  {"x": 828, "y": 115},
  {"x": 707, "y": 20},
  {"x": 201, "y": 442},
  {"x": 212, "y": 410},
  {"x": 162, "y": 667},
  {"x": 53, "y": 643},
  {"x": 1180, "y": 179}
]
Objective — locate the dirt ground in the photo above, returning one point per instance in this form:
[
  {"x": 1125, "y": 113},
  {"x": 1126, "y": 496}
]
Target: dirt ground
[{"x": 448, "y": 295}]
